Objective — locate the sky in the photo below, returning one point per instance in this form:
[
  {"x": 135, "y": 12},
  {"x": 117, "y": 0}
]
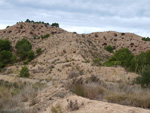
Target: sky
[{"x": 81, "y": 16}]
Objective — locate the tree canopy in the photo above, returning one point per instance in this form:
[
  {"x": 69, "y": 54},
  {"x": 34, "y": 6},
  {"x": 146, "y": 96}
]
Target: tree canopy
[{"x": 23, "y": 47}]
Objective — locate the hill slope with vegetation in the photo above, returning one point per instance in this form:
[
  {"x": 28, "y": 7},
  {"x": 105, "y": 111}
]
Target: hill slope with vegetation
[{"x": 42, "y": 64}]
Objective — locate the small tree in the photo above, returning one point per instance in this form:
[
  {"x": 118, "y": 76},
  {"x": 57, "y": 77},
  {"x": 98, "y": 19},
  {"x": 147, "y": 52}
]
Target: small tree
[
  {"x": 5, "y": 45},
  {"x": 27, "y": 20},
  {"x": 24, "y": 72},
  {"x": 140, "y": 61},
  {"x": 5, "y": 57},
  {"x": 23, "y": 47}
]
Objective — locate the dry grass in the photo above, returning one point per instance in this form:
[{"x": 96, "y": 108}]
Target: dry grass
[
  {"x": 94, "y": 91},
  {"x": 132, "y": 99},
  {"x": 13, "y": 97},
  {"x": 19, "y": 111},
  {"x": 27, "y": 93},
  {"x": 121, "y": 93}
]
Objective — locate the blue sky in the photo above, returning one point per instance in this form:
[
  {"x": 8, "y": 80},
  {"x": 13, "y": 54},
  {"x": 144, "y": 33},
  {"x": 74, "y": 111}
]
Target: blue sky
[{"x": 82, "y": 16}]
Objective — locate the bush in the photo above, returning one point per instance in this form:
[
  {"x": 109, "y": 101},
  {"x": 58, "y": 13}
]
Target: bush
[
  {"x": 109, "y": 48},
  {"x": 31, "y": 21},
  {"x": 122, "y": 57},
  {"x": 39, "y": 51},
  {"x": 5, "y": 58},
  {"x": 139, "y": 64},
  {"x": 55, "y": 25},
  {"x": 6, "y": 55},
  {"x": 31, "y": 56},
  {"x": 146, "y": 39},
  {"x": 23, "y": 47},
  {"x": 45, "y": 36},
  {"x": 5, "y": 45},
  {"x": 144, "y": 79},
  {"x": 140, "y": 61},
  {"x": 125, "y": 58},
  {"x": 13, "y": 93},
  {"x": 24, "y": 72}
]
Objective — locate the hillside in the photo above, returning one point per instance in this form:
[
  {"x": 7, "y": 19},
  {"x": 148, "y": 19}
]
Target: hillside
[{"x": 68, "y": 58}]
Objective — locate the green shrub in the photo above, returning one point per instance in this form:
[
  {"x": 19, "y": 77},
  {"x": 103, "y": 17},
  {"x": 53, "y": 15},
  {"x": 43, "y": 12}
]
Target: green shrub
[
  {"x": 122, "y": 57},
  {"x": 39, "y": 22},
  {"x": 148, "y": 58},
  {"x": 55, "y": 25},
  {"x": 27, "y": 20},
  {"x": 13, "y": 59},
  {"x": 5, "y": 57},
  {"x": 45, "y": 36},
  {"x": 109, "y": 48},
  {"x": 140, "y": 61},
  {"x": 39, "y": 51},
  {"x": 23, "y": 47},
  {"x": 5, "y": 45},
  {"x": 7, "y": 26},
  {"x": 125, "y": 58},
  {"x": 24, "y": 72},
  {"x": 112, "y": 63},
  {"x": 31, "y": 56},
  {"x": 146, "y": 39},
  {"x": 144, "y": 79}
]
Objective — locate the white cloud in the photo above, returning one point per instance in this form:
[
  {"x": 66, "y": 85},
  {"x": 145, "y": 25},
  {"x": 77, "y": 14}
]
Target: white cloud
[
  {"x": 81, "y": 15},
  {"x": 3, "y": 26},
  {"x": 84, "y": 29}
]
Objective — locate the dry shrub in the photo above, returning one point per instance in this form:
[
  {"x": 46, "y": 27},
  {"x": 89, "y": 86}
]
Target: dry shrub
[
  {"x": 90, "y": 90},
  {"x": 116, "y": 97},
  {"x": 123, "y": 93},
  {"x": 4, "y": 92},
  {"x": 56, "y": 109},
  {"x": 9, "y": 101},
  {"x": 72, "y": 105},
  {"x": 73, "y": 74},
  {"x": 132, "y": 99},
  {"x": 27, "y": 93},
  {"x": 140, "y": 100},
  {"x": 94, "y": 91},
  {"x": 78, "y": 89}
]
